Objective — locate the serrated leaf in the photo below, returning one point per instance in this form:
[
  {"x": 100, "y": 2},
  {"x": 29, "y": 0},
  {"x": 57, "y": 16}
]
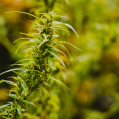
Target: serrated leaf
[
  {"x": 19, "y": 111},
  {"x": 44, "y": 90},
  {"x": 58, "y": 59},
  {"x": 51, "y": 63},
  {"x": 59, "y": 82}
]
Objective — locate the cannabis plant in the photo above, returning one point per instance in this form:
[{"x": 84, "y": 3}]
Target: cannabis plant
[{"x": 36, "y": 69}]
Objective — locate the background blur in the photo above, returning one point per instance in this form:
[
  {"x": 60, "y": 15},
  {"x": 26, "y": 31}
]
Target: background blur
[{"x": 94, "y": 71}]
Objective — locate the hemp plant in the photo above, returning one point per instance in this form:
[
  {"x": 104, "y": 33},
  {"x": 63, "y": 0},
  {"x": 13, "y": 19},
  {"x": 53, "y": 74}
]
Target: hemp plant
[{"x": 39, "y": 63}]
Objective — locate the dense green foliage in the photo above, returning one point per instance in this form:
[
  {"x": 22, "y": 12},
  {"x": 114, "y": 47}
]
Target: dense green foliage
[{"x": 93, "y": 73}]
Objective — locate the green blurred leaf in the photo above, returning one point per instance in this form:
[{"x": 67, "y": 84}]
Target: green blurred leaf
[
  {"x": 51, "y": 63},
  {"x": 19, "y": 111},
  {"x": 44, "y": 90},
  {"x": 4, "y": 106},
  {"x": 60, "y": 82}
]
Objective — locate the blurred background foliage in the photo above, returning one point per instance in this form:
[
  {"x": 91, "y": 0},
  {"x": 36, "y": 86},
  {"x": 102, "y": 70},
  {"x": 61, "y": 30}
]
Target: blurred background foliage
[{"x": 93, "y": 73}]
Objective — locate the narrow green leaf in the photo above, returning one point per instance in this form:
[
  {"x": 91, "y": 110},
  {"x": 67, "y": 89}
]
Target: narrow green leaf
[
  {"x": 16, "y": 78},
  {"x": 60, "y": 82},
  {"x": 60, "y": 23},
  {"x": 65, "y": 49},
  {"x": 20, "y": 39},
  {"x": 19, "y": 111},
  {"x": 27, "y": 102},
  {"x": 59, "y": 51},
  {"x": 1, "y": 114},
  {"x": 46, "y": 83},
  {"x": 55, "y": 35},
  {"x": 4, "y": 106},
  {"x": 42, "y": 43},
  {"x": 30, "y": 116},
  {"x": 25, "y": 88},
  {"x": 11, "y": 70},
  {"x": 39, "y": 92},
  {"x": 9, "y": 82},
  {"x": 12, "y": 96},
  {"x": 71, "y": 28},
  {"x": 21, "y": 75},
  {"x": 22, "y": 60},
  {"x": 16, "y": 64},
  {"x": 27, "y": 34},
  {"x": 25, "y": 13},
  {"x": 22, "y": 44},
  {"x": 58, "y": 59},
  {"x": 51, "y": 63},
  {"x": 45, "y": 91},
  {"x": 69, "y": 44}
]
